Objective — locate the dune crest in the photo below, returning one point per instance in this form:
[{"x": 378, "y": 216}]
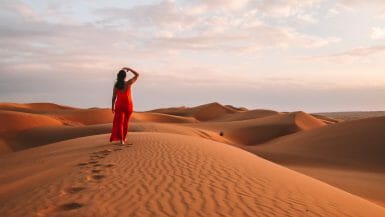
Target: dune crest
[
  {"x": 33, "y": 107},
  {"x": 204, "y": 112}
]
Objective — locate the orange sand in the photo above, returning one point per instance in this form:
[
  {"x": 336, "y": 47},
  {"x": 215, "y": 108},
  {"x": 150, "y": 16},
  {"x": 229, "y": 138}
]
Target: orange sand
[{"x": 55, "y": 160}]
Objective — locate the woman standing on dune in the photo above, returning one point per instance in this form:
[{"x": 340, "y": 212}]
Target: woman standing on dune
[{"x": 122, "y": 105}]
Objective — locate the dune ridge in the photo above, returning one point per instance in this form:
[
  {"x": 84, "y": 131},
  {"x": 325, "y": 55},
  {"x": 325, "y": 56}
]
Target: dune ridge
[
  {"x": 33, "y": 107},
  {"x": 204, "y": 112}
]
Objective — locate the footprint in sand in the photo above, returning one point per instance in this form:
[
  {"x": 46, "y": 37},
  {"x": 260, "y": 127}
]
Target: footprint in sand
[
  {"x": 109, "y": 165},
  {"x": 96, "y": 171},
  {"x": 98, "y": 177},
  {"x": 74, "y": 190},
  {"x": 70, "y": 206},
  {"x": 97, "y": 157},
  {"x": 93, "y": 162}
]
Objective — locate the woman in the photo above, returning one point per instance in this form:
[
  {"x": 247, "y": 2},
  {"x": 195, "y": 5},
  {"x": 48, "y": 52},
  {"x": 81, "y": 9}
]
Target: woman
[{"x": 122, "y": 106}]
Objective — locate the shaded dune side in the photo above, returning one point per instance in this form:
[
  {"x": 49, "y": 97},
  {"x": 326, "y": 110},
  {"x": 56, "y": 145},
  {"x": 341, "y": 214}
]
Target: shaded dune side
[
  {"x": 260, "y": 130},
  {"x": 325, "y": 119},
  {"x": 348, "y": 155},
  {"x": 165, "y": 175},
  {"x": 356, "y": 144},
  {"x": 236, "y": 108},
  {"x": 161, "y": 118}
]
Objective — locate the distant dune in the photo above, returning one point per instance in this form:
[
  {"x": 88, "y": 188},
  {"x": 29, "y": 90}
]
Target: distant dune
[
  {"x": 202, "y": 113},
  {"x": 245, "y": 115},
  {"x": 348, "y": 116},
  {"x": 259, "y": 130},
  {"x": 161, "y": 118},
  {"x": 33, "y": 107},
  {"x": 182, "y": 162},
  {"x": 14, "y": 121}
]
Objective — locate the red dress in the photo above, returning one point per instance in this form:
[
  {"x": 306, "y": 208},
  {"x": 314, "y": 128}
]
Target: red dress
[{"x": 123, "y": 111}]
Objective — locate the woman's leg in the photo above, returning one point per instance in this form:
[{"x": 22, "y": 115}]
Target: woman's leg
[
  {"x": 117, "y": 126},
  {"x": 126, "y": 120}
]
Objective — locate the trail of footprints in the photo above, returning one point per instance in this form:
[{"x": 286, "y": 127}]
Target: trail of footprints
[{"x": 94, "y": 168}]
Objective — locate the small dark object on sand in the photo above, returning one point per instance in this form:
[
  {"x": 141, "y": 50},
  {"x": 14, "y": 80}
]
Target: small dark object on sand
[{"x": 221, "y": 133}]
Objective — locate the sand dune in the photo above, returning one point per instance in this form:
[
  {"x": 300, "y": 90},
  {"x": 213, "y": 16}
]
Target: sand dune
[
  {"x": 84, "y": 116},
  {"x": 245, "y": 115},
  {"x": 33, "y": 107},
  {"x": 348, "y": 155},
  {"x": 44, "y": 135},
  {"x": 161, "y": 118},
  {"x": 353, "y": 151},
  {"x": 162, "y": 175},
  {"x": 202, "y": 113},
  {"x": 357, "y": 144},
  {"x": 34, "y": 124},
  {"x": 260, "y": 130},
  {"x": 15, "y": 121}
]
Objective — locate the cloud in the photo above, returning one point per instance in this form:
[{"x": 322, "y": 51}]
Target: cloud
[
  {"x": 284, "y": 8},
  {"x": 375, "y": 6},
  {"x": 163, "y": 14},
  {"x": 378, "y": 33},
  {"x": 350, "y": 55},
  {"x": 189, "y": 43},
  {"x": 183, "y": 27}
]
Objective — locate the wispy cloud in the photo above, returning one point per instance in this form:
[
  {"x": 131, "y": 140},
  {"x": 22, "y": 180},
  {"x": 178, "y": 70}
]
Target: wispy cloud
[{"x": 349, "y": 55}]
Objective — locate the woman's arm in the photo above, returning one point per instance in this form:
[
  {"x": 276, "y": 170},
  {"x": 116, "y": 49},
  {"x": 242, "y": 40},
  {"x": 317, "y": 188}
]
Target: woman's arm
[
  {"x": 136, "y": 75},
  {"x": 113, "y": 100}
]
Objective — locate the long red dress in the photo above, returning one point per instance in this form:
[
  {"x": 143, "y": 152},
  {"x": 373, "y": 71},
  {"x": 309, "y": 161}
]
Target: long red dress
[{"x": 123, "y": 111}]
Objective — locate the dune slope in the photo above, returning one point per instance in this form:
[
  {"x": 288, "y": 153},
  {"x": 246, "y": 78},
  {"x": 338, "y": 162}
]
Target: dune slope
[
  {"x": 260, "y": 130},
  {"x": 162, "y": 175},
  {"x": 349, "y": 155}
]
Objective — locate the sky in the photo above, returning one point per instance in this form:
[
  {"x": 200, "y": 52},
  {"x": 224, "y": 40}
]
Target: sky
[{"x": 311, "y": 55}]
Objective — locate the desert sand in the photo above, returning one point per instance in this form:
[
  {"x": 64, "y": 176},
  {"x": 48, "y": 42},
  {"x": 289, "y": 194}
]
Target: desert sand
[{"x": 207, "y": 160}]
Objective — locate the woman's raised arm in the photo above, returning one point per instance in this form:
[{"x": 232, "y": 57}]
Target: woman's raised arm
[{"x": 136, "y": 75}]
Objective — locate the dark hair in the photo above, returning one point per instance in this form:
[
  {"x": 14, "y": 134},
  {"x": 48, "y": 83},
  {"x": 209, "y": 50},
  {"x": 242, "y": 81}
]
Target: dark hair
[{"x": 119, "y": 84}]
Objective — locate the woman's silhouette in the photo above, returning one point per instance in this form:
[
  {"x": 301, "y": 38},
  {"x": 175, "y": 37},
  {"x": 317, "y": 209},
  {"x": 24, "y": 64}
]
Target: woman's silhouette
[{"x": 122, "y": 105}]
